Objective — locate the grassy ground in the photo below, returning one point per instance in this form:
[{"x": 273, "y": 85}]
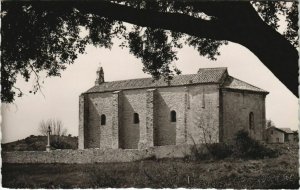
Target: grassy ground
[{"x": 281, "y": 172}]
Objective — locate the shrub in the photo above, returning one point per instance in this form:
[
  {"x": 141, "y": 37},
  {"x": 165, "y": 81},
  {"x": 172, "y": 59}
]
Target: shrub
[
  {"x": 246, "y": 147},
  {"x": 199, "y": 153},
  {"x": 61, "y": 145},
  {"x": 220, "y": 150},
  {"x": 29, "y": 140},
  {"x": 210, "y": 151}
]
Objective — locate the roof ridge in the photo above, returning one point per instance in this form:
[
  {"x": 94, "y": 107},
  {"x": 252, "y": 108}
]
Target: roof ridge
[
  {"x": 203, "y": 75},
  {"x": 127, "y": 79},
  {"x": 149, "y": 78},
  {"x": 285, "y": 130},
  {"x": 213, "y": 68}
]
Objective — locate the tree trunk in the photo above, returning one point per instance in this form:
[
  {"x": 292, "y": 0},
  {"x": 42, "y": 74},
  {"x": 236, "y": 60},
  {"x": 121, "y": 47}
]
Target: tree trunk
[
  {"x": 273, "y": 50},
  {"x": 277, "y": 54}
]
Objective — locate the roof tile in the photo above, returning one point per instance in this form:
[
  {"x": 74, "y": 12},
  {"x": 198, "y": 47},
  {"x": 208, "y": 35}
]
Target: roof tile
[
  {"x": 286, "y": 130},
  {"x": 205, "y": 75},
  {"x": 233, "y": 83},
  {"x": 209, "y": 75}
]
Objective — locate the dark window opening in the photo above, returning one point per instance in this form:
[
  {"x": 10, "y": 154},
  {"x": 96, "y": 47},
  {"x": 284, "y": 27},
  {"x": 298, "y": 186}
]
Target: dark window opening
[
  {"x": 136, "y": 118},
  {"x": 103, "y": 119},
  {"x": 173, "y": 116},
  {"x": 286, "y": 137},
  {"x": 251, "y": 120}
]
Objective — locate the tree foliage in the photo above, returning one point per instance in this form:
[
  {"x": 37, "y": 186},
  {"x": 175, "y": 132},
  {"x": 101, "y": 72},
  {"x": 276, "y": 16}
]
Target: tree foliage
[
  {"x": 269, "y": 123},
  {"x": 47, "y": 36},
  {"x": 270, "y": 11}
]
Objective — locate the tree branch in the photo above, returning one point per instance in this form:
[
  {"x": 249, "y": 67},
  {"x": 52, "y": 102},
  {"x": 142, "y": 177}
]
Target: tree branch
[
  {"x": 249, "y": 30},
  {"x": 37, "y": 81},
  {"x": 148, "y": 18},
  {"x": 237, "y": 22},
  {"x": 20, "y": 91}
]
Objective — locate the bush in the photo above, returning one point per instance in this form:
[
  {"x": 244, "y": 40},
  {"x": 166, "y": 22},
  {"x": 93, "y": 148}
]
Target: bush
[
  {"x": 220, "y": 150},
  {"x": 246, "y": 147},
  {"x": 198, "y": 153},
  {"x": 60, "y": 145},
  {"x": 29, "y": 140},
  {"x": 210, "y": 151}
]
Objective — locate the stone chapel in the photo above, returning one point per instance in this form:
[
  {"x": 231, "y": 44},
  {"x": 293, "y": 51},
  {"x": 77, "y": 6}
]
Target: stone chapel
[{"x": 207, "y": 107}]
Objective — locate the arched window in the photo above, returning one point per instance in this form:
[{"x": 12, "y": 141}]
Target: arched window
[
  {"x": 173, "y": 116},
  {"x": 103, "y": 119},
  {"x": 251, "y": 120},
  {"x": 136, "y": 118}
]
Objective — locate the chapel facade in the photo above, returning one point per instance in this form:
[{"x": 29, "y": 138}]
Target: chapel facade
[{"x": 207, "y": 107}]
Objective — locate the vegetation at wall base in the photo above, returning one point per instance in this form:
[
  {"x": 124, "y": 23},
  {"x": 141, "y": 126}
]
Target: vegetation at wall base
[
  {"x": 243, "y": 147},
  {"x": 246, "y": 147}
]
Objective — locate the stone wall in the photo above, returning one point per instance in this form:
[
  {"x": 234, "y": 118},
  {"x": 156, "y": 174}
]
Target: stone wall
[
  {"x": 81, "y": 121},
  {"x": 274, "y": 136},
  {"x": 195, "y": 105},
  {"x": 133, "y": 101},
  {"x": 237, "y": 106},
  {"x": 203, "y": 114},
  {"x": 97, "y": 135},
  {"x": 116, "y": 118},
  {"x": 147, "y": 132},
  {"x": 167, "y": 132},
  {"x": 95, "y": 155}
]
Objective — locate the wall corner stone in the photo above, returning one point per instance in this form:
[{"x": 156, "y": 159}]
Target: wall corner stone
[
  {"x": 115, "y": 119},
  {"x": 146, "y": 133},
  {"x": 82, "y": 115}
]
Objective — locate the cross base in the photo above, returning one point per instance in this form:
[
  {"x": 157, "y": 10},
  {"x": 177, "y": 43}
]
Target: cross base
[{"x": 48, "y": 148}]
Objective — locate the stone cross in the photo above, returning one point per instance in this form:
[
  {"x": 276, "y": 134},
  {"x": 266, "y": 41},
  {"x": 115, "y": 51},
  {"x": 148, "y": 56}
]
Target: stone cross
[{"x": 48, "y": 144}]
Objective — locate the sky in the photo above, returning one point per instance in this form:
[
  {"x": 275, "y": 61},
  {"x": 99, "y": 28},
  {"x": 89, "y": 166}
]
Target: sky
[{"x": 61, "y": 94}]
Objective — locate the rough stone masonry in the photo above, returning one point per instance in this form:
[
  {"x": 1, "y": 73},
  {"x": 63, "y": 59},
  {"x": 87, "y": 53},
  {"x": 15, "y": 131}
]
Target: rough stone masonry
[{"x": 207, "y": 107}]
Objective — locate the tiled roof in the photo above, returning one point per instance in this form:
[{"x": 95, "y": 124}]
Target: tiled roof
[
  {"x": 286, "y": 130},
  {"x": 205, "y": 75},
  {"x": 233, "y": 83},
  {"x": 209, "y": 75}
]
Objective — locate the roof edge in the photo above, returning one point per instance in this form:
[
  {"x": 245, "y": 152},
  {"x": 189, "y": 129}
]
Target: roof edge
[
  {"x": 279, "y": 129},
  {"x": 262, "y": 90},
  {"x": 245, "y": 90}
]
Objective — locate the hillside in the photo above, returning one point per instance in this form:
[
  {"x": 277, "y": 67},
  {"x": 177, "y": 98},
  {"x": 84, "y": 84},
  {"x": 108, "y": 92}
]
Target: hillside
[{"x": 38, "y": 143}]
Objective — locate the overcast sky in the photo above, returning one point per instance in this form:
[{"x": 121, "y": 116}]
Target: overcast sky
[{"x": 60, "y": 99}]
